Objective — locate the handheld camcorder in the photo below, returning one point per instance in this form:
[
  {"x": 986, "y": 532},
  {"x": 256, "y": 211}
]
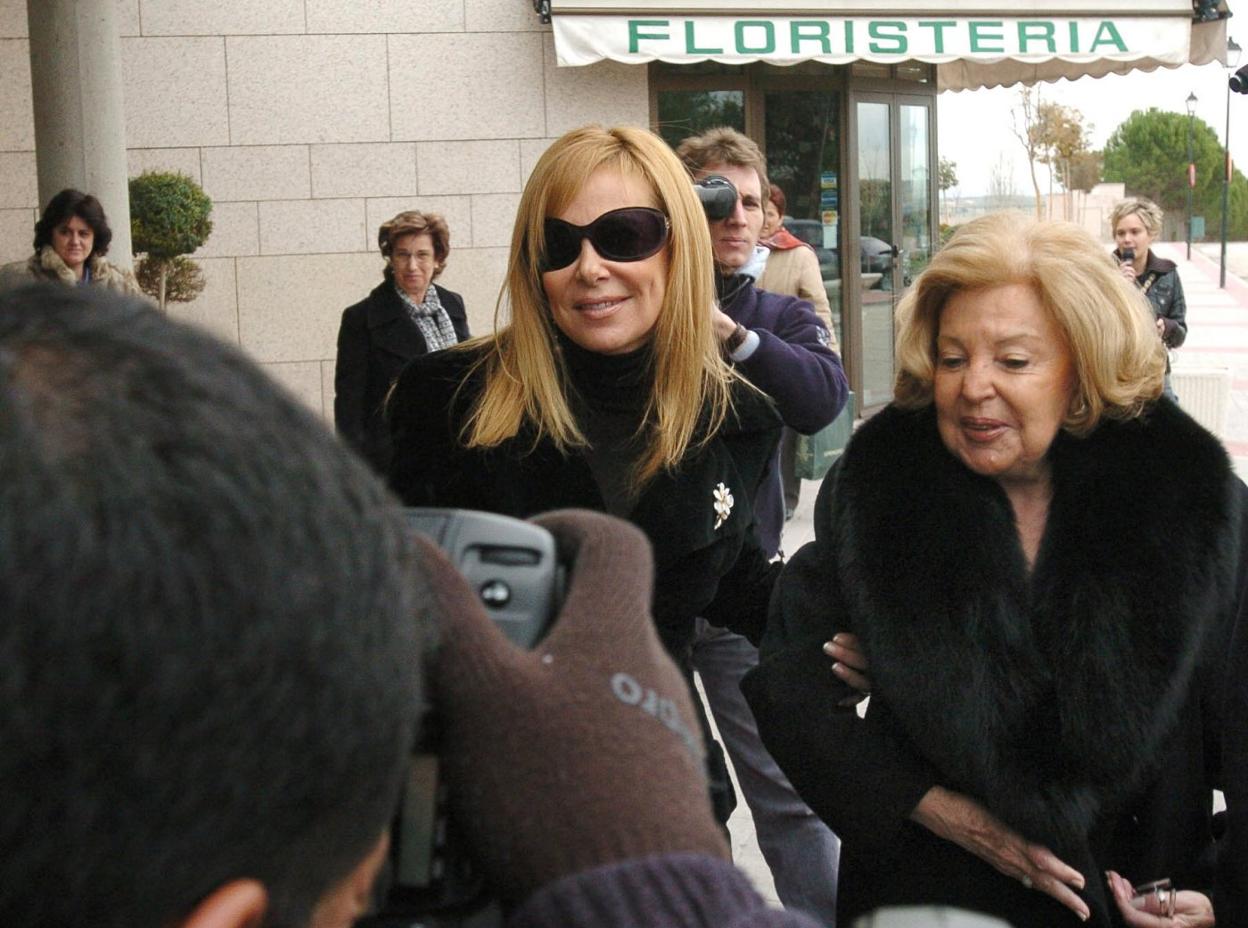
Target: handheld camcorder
[
  {"x": 430, "y": 881},
  {"x": 1238, "y": 81},
  {"x": 718, "y": 196}
]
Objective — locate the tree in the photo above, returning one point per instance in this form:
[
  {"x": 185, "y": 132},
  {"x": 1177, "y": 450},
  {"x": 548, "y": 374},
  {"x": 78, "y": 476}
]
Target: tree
[
  {"x": 1023, "y": 122},
  {"x": 169, "y": 218},
  {"x": 1060, "y": 136},
  {"x": 1001, "y": 190},
  {"x": 1148, "y": 153},
  {"x": 1085, "y": 171},
  {"x": 183, "y": 279},
  {"x": 946, "y": 177}
]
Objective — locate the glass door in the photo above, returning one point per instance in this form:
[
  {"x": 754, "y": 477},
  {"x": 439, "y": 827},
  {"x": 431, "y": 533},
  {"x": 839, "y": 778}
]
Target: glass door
[
  {"x": 914, "y": 189},
  {"x": 893, "y": 162},
  {"x": 802, "y": 137},
  {"x": 875, "y": 247}
]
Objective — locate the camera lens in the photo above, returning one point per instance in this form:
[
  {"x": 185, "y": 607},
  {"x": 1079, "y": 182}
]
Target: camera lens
[
  {"x": 1239, "y": 80},
  {"x": 718, "y": 196}
]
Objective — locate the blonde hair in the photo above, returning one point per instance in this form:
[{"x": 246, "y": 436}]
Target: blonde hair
[
  {"x": 525, "y": 378},
  {"x": 1108, "y": 325},
  {"x": 1149, "y": 212}
]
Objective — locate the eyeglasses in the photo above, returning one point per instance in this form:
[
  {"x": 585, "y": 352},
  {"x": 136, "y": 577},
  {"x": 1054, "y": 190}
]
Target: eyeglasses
[{"x": 629, "y": 234}]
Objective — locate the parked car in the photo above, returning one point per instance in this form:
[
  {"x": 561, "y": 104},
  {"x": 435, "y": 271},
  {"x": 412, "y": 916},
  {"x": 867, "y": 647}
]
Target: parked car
[{"x": 875, "y": 255}]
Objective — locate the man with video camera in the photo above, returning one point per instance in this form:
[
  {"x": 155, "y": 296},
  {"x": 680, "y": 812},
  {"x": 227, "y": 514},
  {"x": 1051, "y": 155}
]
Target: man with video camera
[
  {"x": 216, "y": 639},
  {"x": 777, "y": 341},
  {"x": 784, "y": 349}
]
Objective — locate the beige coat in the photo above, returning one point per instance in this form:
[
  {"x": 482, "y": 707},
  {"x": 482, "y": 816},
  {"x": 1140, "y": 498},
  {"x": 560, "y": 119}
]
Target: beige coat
[
  {"x": 46, "y": 264},
  {"x": 795, "y": 272}
]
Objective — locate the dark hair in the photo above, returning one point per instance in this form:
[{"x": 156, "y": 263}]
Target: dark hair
[
  {"x": 66, "y": 204},
  {"x": 776, "y": 195},
  {"x": 211, "y": 624}
]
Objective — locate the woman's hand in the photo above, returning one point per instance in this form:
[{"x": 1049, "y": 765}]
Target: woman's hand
[
  {"x": 969, "y": 825},
  {"x": 850, "y": 664},
  {"x": 1127, "y": 270},
  {"x": 1191, "y": 909}
]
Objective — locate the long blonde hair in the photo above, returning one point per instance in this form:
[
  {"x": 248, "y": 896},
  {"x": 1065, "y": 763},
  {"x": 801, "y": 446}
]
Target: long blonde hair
[
  {"x": 525, "y": 377},
  {"x": 1107, "y": 324}
]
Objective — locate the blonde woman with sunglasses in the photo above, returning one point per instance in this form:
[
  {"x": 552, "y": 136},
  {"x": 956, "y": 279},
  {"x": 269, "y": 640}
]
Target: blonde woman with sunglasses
[{"x": 604, "y": 386}]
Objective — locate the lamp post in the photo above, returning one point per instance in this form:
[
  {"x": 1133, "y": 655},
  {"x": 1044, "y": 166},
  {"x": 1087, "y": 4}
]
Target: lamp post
[
  {"x": 1232, "y": 62},
  {"x": 1191, "y": 168}
]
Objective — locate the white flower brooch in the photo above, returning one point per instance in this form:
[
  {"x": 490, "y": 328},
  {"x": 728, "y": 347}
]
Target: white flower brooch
[{"x": 723, "y": 504}]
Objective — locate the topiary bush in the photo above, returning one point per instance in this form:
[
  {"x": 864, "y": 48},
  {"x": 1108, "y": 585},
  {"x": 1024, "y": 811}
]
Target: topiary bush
[
  {"x": 184, "y": 280},
  {"x": 170, "y": 216}
]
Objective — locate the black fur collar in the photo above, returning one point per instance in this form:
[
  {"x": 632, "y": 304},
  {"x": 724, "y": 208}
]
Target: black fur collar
[{"x": 1047, "y": 696}]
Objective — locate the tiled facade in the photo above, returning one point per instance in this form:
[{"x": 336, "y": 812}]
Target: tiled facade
[{"x": 310, "y": 122}]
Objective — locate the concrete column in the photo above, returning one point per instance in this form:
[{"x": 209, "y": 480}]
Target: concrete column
[{"x": 80, "y": 122}]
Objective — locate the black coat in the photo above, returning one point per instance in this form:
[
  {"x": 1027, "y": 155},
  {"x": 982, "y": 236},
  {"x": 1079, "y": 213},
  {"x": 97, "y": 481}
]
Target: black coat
[
  {"x": 700, "y": 569},
  {"x": 1164, "y": 290},
  {"x": 1231, "y": 898},
  {"x": 1078, "y": 703},
  {"x": 375, "y": 341}
]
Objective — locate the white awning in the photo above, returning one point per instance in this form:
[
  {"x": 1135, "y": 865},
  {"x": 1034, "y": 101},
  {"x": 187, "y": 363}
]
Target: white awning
[{"x": 978, "y": 45}]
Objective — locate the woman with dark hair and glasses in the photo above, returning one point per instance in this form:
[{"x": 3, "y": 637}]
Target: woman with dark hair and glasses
[
  {"x": 71, "y": 240},
  {"x": 607, "y": 389}
]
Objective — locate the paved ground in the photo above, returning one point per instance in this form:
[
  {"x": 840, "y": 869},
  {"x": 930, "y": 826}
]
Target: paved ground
[
  {"x": 1218, "y": 329},
  {"x": 1217, "y": 338}
]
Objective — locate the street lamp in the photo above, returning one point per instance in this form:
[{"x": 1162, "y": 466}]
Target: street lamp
[
  {"x": 1191, "y": 168},
  {"x": 1232, "y": 62}
]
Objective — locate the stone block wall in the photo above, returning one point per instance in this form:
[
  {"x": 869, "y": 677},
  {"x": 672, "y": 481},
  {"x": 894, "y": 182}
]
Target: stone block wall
[{"x": 309, "y": 123}]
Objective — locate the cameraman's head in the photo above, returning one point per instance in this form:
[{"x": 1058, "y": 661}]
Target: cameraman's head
[
  {"x": 735, "y": 156},
  {"x": 209, "y": 633}
]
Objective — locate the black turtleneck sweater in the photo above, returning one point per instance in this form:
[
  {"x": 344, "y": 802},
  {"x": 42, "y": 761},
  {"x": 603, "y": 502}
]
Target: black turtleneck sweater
[{"x": 608, "y": 394}]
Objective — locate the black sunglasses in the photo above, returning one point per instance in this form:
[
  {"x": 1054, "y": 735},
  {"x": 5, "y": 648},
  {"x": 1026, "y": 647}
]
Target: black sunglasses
[{"x": 629, "y": 234}]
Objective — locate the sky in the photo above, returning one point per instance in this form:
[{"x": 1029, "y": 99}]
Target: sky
[{"x": 973, "y": 127}]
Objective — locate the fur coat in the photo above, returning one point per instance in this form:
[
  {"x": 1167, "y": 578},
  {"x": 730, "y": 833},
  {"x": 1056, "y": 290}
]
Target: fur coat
[
  {"x": 1068, "y": 700},
  {"x": 46, "y": 264}
]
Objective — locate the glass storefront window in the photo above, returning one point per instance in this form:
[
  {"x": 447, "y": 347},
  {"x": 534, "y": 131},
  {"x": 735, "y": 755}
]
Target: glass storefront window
[
  {"x": 803, "y": 117},
  {"x": 683, "y": 113},
  {"x": 803, "y": 159}
]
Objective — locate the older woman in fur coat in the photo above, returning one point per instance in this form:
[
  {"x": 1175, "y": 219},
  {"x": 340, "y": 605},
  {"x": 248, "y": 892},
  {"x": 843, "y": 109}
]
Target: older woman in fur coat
[{"x": 1041, "y": 558}]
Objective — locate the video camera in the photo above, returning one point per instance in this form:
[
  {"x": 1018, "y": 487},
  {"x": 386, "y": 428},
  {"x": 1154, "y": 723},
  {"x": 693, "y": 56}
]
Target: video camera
[
  {"x": 717, "y": 195},
  {"x": 430, "y": 881},
  {"x": 1239, "y": 80}
]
